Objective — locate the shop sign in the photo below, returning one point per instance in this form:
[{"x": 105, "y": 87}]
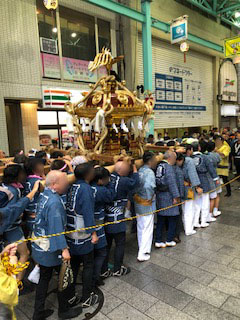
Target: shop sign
[
  {"x": 48, "y": 45},
  {"x": 50, "y": 66},
  {"x": 57, "y": 97},
  {"x": 228, "y": 81},
  {"x": 179, "y": 30},
  {"x": 232, "y": 47}
]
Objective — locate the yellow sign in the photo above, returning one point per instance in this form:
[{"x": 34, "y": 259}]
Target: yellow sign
[{"x": 232, "y": 47}]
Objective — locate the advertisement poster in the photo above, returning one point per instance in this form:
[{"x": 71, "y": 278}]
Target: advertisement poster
[
  {"x": 178, "y": 92},
  {"x": 74, "y": 69},
  {"x": 50, "y": 66}
]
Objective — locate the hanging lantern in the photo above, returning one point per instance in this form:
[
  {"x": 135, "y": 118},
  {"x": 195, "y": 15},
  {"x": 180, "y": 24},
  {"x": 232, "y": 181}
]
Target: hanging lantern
[
  {"x": 51, "y": 4},
  {"x": 184, "y": 47}
]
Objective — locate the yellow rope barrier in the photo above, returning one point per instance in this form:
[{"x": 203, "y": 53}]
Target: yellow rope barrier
[{"x": 119, "y": 221}]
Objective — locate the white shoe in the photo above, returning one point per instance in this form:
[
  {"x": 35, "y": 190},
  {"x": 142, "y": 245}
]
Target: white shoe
[
  {"x": 160, "y": 245},
  {"x": 171, "y": 244},
  {"x": 211, "y": 219},
  {"x": 204, "y": 225},
  {"x": 197, "y": 225},
  {"x": 218, "y": 213},
  {"x": 143, "y": 257},
  {"x": 190, "y": 233},
  {"x": 34, "y": 276}
]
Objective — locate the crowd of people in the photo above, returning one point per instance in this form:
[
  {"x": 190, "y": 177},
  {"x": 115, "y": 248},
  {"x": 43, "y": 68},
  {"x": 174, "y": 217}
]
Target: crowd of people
[{"x": 182, "y": 186}]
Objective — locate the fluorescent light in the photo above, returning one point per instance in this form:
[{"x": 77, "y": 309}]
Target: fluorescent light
[
  {"x": 54, "y": 29},
  {"x": 237, "y": 14},
  {"x": 73, "y": 35}
]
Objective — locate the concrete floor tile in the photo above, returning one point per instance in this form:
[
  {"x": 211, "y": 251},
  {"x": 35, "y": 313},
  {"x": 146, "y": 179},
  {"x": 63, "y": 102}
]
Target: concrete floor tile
[
  {"x": 227, "y": 286},
  {"x": 137, "y": 279},
  {"x": 100, "y": 316},
  {"x": 193, "y": 273},
  {"x": 167, "y": 276},
  {"x": 162, "y": 260},
  {"x": 110, "y": 302},
  {"x": 125, "y": 311},
  {"x": 167, "y": 294},
  {"x": 235, "y": 263},
  {"x": 203, "y": 311},
  {"x": 221, "y": 270},
  {"x": 232, "y": 305},
  {"x": 133, "y": 296},
  {"x": 163, "y": 311},
  {"x": 203, "y": 293},
  {"x": 111, "y": 283},
  {"x": 213, "y": 256},
  {"x": 187, "y": 258}
]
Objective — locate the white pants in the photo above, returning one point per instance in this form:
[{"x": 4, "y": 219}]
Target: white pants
[
  {"x": 188, "y": 216},
  {"x": 202, "y": 205},
  {"x": 145, "y": 227}
]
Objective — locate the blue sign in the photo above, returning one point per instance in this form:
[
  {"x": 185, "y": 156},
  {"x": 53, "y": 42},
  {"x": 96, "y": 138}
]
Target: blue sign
[
  {"x": 168, "y": 88},
  {"x": 179, "y": 31},
  {"x": 179, "y": 108}
]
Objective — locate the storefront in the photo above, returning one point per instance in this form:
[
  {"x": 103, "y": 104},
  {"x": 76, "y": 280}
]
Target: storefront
[
  {"x": 228, "y": 84},
  {"x": 53, "y": 52},
  {"x": 183, "y": 91}
]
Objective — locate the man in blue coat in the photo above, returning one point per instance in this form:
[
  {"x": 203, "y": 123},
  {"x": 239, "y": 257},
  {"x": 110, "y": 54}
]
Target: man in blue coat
[
  {"x": 123, "y": 184},
  {"x": 80, "y": 214},
  {"x": 49, "y": 252},
  {"x": 205, "y": 172},
  {"x": 167, "y": 195},
  {"x": 104, "y": 194}
]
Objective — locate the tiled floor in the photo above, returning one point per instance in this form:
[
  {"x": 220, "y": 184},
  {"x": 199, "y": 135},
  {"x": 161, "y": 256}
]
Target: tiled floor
[{"x": 198, "y": 279}]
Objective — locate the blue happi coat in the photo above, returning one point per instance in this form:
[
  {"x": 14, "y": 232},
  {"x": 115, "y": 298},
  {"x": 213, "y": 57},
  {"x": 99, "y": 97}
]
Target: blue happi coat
[
  {"x": 80, "y": 214},
  {"x": 50, "y": 219},
  {"x": 215, "y": 159},
  {"x": 190, "y": 175},
  {"x": 32, "y": 207},
  {"x": 180, "y": 181},
  {"x": 146, "y": 189},
  {"x": 10, "y": 214},
  {"x": 16, "y": 196},
  {"x": 103, "y": 195},
  {"x": 206, "y": 172},
  {"x": 115, "y": 211},
  {"x": 166, "y": 182}
]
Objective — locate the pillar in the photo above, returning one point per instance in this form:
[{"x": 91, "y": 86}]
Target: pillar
[
  {"x": 216, "y": 104},
  {"x": 147, "y": 51},
  {"x": 30, "y": 126}
]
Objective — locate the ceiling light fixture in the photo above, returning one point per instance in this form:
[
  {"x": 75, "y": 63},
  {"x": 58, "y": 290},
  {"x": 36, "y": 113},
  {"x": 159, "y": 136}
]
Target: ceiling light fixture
[
  {"x": 54, "y": 29},
  {"x": 73, "y": 35}
]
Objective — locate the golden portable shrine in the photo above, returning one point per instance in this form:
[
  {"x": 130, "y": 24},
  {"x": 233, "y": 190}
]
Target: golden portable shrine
[{"x": 118, "y": 118}]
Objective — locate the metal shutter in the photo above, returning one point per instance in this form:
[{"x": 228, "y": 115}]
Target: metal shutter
[{"x": 197, "y": 69}]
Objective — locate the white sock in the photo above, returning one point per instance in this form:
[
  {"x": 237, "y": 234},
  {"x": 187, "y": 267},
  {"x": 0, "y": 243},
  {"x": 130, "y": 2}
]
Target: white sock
[{"x": 215, "y": 210}]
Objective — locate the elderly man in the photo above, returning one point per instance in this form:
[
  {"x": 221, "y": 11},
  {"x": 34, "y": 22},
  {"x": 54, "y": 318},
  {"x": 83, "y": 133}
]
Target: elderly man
[
  {"x": 48, "y": 253},
  {"x": 145, "y": 201},
  {"x": 167, "y": 195},
  {"x": 123, "y": 184}
]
